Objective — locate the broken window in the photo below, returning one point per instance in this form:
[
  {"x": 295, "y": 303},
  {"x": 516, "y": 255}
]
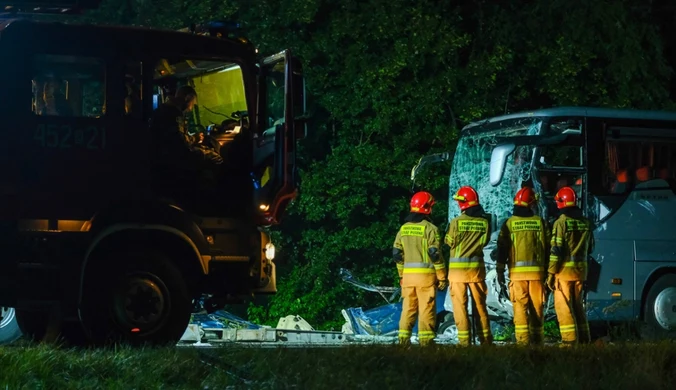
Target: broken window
[{"x": 471, "y": 166}]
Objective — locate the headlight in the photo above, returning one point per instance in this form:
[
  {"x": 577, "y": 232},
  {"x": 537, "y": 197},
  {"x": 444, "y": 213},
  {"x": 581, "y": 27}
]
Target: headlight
[{"x": 269, "y": 251}]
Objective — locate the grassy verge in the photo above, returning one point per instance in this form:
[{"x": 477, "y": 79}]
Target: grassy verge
[{"x": 628, "y": 366}]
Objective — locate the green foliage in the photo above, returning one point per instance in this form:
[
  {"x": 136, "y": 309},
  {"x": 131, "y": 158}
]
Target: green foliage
[
  {"x": 552, "y": 331},
  {"x": 392, "y": 80}
]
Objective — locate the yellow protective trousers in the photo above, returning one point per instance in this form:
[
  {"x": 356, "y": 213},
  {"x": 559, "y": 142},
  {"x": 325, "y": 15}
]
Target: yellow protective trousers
[
  {"x": 527, "y": 298},
  {"x": 420, "y": 302},
  {"x": 460, "y": 299},
  {"x": 570, "y": 312}
]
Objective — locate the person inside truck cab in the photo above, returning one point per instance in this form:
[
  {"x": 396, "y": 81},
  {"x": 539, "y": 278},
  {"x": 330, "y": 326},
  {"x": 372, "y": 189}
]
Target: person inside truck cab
[
  {"x": 54, "y": 102},
  {"x": 168, "y": 127},
  {"x": 132, "y": 100}
]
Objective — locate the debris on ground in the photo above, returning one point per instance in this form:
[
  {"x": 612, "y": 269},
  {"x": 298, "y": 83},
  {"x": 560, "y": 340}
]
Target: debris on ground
[
  {"x": 294, "y": 322},
  {"x": 375, "y": 325}
]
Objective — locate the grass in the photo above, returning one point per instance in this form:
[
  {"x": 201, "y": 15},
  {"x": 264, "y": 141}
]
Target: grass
[{"x": 621, "y": 366}]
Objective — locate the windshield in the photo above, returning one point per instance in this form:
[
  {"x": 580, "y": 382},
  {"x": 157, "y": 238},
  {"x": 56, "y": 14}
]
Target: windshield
[
  {"x": 471, "y": 166},
  {"x": 221, "y": 97}
]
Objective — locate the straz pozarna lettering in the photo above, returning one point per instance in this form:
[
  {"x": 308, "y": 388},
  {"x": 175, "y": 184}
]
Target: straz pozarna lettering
[
  {"x": 472, "y": 226},
  {"x": 518, "y": 226}
]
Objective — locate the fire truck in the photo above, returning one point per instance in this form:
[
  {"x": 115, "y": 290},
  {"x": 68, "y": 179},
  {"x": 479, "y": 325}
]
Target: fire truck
[{"x": 98, "y": 243}]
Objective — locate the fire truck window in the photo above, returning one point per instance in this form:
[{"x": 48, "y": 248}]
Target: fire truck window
[
  {"x": 220, "y": 110},
  {"x": 631, "y": 162},
  {"x": 68, "y": 86},
  {"x": 275, "y": 98},
  {"x": 132, "y": 90}
]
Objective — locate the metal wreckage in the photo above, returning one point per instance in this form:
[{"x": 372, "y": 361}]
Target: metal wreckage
[{"x": 378, "y": 325}]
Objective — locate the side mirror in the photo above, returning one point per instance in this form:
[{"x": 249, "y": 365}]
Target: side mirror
[
  {"x": 572, "y": 132},
  {"x": 498, "y": 162},
  {"x": 300, "y": 113}
]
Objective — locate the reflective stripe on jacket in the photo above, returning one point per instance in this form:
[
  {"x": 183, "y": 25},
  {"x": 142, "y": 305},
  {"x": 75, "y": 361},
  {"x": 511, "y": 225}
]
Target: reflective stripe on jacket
[
  {"x": 523, "y": 246},
  {"x": 572, "y": 241},
  {"x": 415, "y": 239},
  {"x": 467, "y": 236}
]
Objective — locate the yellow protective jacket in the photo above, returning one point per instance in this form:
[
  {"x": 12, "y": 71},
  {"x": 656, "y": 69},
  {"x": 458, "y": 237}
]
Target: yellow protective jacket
[
  {"x": 572, "y": 241},
  {"x": 467, "y": 236},
  {"x": 416, "y": 268},
  {"x": 523, "y": 244}
]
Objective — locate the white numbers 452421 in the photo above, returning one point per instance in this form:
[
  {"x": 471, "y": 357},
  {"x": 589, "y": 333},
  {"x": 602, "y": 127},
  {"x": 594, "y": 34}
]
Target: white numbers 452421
[{"x": 65, "y": 137}]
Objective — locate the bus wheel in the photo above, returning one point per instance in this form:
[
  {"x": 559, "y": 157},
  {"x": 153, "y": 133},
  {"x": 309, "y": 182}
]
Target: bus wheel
[
  {"x": 146, "y": 301},
  {"x": 9, "y": 327},
  {"x": 660, "y": 306}
]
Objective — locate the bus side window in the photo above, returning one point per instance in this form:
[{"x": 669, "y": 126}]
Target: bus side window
[
  {"x": 68, "y": 86},
  {"x": 631, "y": 162}
]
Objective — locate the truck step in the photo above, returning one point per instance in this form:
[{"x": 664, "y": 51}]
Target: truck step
[{"x": 230, "y": 259}]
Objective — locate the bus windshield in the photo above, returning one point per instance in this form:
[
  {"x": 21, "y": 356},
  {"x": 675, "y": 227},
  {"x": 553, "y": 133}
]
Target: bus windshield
[{"x": 471, "y": 165}]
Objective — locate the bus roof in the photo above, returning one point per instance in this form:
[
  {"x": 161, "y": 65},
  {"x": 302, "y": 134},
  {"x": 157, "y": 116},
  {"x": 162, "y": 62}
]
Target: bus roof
[{"x": 594, "y": 112}]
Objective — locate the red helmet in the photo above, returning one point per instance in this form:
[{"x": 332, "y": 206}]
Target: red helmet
[
  {"x": 525, "y": 197},
  {"x": 466, "y": 197},
  {"x": 422, "y": 203},
  {"x": 565, "y": 197}
]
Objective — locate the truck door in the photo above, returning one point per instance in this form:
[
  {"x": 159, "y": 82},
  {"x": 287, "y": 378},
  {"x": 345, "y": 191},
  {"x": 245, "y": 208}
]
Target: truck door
[{"x": 281, "y": 105}]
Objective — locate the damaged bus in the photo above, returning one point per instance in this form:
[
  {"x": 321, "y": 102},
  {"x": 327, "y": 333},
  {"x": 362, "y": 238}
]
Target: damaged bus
[{"x": 621, "y": 163}]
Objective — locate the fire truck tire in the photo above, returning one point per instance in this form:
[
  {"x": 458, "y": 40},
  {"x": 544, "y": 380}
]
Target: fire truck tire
[
  {"x": 660, "y": 305},
  {"x": 136, "y": 297}
]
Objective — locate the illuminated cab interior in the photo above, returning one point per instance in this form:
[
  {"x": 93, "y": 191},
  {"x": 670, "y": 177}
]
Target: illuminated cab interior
[{"x": 220, "y": 110}]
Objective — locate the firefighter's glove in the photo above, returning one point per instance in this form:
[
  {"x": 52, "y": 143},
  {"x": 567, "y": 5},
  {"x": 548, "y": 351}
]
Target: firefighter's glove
[
  {"x": 442, "y": 285},
  {"x": 551, "y": 282}
]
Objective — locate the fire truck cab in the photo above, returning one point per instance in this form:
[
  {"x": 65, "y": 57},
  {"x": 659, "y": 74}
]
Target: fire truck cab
[{"x": 98, "y": 239}]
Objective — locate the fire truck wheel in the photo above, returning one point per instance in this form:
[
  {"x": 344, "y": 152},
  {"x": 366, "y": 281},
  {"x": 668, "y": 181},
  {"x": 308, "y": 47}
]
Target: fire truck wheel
[
  {"x": 142, "y": 300},
  {"x": 660, "y": 305}
]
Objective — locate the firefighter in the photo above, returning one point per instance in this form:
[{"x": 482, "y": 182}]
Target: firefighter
[
  {"x": 168, "y": 127},
  {"x": 467, "y": 236},
  {"x": 523, "y": 245},
  {"x": 421, "y": 270},
  {"x": 183, "y": 169},
  {"x": 572, "y": 241}
]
